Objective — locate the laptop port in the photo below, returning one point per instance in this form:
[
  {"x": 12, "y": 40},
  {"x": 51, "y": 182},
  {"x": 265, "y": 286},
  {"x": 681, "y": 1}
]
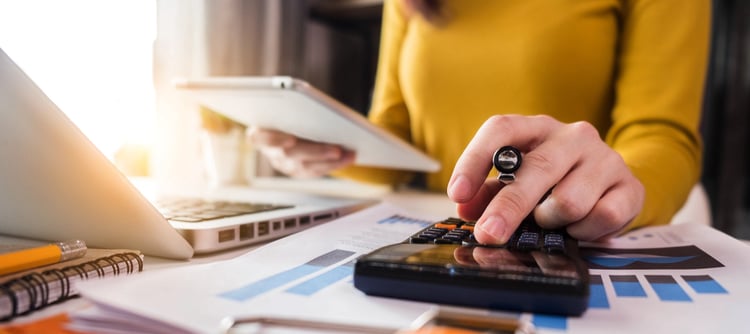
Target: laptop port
[
  {"x": 290, "y": 223},
  {"x": 263, "y": 228},
  {"x": 247, "y": 231},
  {"x": 226, "y": 235},
  {"x": 324, "y": 216},
  {"x": 304, "y": 220}
]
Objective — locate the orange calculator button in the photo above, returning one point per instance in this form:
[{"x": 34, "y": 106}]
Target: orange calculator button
[
  {"x": 445, "y": 226},
  {"x": 468, "y": 228}
]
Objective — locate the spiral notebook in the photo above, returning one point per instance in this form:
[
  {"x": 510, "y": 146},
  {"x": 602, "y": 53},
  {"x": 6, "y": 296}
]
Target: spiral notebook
[{"x": 24, "y": 292}]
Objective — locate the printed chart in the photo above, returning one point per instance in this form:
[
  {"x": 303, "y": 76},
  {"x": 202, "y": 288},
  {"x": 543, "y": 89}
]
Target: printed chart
[
  {"x": 636, "y": 281},
  {"x": 616, "y": 273},
  {"x": 319, "y": 267},
  {"x": 677, "y": 278}
]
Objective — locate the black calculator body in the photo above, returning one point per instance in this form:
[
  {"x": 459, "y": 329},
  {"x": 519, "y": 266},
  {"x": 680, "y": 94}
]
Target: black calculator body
[{"x": 536, "y": 271}]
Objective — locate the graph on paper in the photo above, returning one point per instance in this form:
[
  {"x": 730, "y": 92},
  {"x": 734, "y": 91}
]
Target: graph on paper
[
  {"x": 635, "y": 281},
  {"x": 315, "y": 275},
  {"x": 618, "y": 275},
  {"x": 272, "y": 282}
]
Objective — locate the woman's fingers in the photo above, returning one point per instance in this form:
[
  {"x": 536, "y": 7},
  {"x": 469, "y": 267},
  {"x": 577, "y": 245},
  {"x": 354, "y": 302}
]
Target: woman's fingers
[
  {"x": 266, "y": 138},
  {"x": 299, "y": 157},
  {"x": 592, "y": 192},
  {"x": 475, "y": 162},
  {"x": 612, "y": 212},
  {"x": 472, "y": 209}
]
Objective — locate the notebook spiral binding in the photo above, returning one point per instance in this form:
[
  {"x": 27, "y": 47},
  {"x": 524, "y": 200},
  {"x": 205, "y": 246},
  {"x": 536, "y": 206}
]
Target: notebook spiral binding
[{"x": 37, "y": 285}]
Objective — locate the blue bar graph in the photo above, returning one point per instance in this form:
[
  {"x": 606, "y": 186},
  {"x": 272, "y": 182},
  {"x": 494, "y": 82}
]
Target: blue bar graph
[
  {"x": 274, "y": 281},
  {"x": 627, "y": 286},
  {"x": 667, "y": 289},
  {"x": 397, "y": 219},
  {"x": 597, "y": 294},
  {"x": 549, "y": 321},
  {"x": 704, "y": 284},
  {"x": 317, "y": 283}
]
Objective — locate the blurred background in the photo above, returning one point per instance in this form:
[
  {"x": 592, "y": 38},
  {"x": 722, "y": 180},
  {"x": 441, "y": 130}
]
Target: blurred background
[{"x": 109, "y": 64}]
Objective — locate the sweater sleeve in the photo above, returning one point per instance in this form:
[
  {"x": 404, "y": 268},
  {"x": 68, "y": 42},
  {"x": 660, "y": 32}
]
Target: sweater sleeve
[{"x": 659, "y": 89}]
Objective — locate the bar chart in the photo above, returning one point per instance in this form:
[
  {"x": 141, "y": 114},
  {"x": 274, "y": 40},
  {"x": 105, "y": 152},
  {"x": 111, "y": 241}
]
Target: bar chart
[
  {"x": 618, "y": 276},
  {"x": 272, "y": 282},
  {"x": 627, "y": 274},
  {"x": 314, "y": 275}
]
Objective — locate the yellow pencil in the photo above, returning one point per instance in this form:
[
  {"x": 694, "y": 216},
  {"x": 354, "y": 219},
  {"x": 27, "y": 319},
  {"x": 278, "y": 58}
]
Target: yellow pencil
[{"x": 28, "y": 258}]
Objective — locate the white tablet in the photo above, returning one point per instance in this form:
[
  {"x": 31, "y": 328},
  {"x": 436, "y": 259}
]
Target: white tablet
[{"x": 294, "y": 106}]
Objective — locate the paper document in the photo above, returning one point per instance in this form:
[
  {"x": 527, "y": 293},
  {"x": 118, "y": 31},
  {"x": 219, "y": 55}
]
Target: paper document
[{"x": 679, "y": 278}]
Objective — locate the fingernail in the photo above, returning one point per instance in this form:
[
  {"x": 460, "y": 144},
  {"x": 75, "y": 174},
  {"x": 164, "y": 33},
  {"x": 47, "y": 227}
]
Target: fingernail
[
  {"x": 333, "y": 153},
  {"x": 348, "y": 156},
  {"x": 288, "y": 142},
  {"x": 458, "y": 188},
  {"x": 494, "y": 229}
]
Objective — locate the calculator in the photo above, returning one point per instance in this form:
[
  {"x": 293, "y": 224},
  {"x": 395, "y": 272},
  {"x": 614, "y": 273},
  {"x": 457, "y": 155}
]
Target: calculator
[{"x": 537, "y": 270}]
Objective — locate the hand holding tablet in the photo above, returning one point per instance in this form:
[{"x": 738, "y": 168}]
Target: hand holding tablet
[{"x": 295, "y": 107}]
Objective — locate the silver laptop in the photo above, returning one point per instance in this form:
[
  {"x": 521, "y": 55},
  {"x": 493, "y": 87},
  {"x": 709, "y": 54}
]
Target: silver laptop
[{"x": 56, "y": 185}]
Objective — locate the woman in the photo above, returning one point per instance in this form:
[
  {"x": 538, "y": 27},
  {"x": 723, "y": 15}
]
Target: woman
[{"x": 603, "y": 98}]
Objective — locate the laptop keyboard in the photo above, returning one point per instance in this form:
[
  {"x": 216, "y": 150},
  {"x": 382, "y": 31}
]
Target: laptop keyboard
[{"x": 194, "y": 210}]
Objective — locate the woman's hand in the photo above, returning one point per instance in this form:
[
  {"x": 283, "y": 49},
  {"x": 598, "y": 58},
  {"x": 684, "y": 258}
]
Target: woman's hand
[
  {"x": 594, "y": 194},
  {"x": 299, "y": 157}
]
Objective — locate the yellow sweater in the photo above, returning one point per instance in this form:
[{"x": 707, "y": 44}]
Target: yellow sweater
[{"x": 633, "y": 68}]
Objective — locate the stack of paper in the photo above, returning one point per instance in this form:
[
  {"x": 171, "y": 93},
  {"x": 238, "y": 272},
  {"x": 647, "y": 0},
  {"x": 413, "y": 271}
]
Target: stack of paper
[{"x": 680, "y": 278}]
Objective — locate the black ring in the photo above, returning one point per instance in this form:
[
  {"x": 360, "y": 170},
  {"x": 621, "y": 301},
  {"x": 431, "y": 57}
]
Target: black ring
[{"x": 499, "y": 163}]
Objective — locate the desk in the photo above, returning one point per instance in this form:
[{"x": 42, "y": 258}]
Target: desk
[{"x": 432, "y": 204}]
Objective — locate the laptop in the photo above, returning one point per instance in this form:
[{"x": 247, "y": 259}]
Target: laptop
[{"x": 56, "y": 185}]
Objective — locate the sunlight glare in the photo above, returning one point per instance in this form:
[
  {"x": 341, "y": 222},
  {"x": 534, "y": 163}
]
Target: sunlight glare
[{"x": 93, "y": 58}]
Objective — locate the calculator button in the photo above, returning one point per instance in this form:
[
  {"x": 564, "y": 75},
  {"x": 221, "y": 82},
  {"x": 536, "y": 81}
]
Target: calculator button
[
  {"x": 468, "y": 227},
  {"x": 428, "y": 236},
  {"x": 458, "y": 232},
  {"x": 454, "y": 220},
  {"x": 447, "y": 226},
  {"x": 554, "y": 243},
  {"x": 527, "y": 240},
  {"x": 437, "y": 230},
  {"x": 418, "y": 240},
  {"x": 453, "y": 237},
  {"x": 432, "y": 233}
]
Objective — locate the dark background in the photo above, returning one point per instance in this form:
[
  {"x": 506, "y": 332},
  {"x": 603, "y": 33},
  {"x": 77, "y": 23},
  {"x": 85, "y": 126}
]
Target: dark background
[{"x": 725, "y": 118}]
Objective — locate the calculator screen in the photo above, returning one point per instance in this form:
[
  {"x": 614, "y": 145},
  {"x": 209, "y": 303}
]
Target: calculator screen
[{"x": 484, "y": 259}]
